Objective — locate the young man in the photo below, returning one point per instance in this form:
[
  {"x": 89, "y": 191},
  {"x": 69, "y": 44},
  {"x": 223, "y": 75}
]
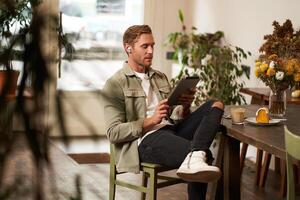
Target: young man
[{"x": 136, "y": 110}]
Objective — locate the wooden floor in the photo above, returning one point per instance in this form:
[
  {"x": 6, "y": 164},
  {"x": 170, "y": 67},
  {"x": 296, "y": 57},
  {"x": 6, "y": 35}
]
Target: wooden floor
[
  {"x": 99, "y": 172},
  {"x": 94, "y": 179}
]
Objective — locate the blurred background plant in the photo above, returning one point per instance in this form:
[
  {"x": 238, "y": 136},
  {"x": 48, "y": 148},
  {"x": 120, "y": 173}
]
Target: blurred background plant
[
  {"x": 29, "y": 32},
  {"x": 217, "y": 63},
  {"x": 15, "y": 17}
]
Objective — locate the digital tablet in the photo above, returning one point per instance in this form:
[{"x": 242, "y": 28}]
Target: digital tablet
[{"x": 183, "y": 85}]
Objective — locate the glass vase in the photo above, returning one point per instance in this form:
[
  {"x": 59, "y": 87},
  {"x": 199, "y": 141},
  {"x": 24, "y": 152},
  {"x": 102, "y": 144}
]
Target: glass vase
[{"x": 277, "y": 103}]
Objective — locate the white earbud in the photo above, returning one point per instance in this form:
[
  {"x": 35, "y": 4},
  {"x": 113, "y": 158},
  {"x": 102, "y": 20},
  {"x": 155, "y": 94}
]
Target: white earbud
[{"x": 129, "y": 49}]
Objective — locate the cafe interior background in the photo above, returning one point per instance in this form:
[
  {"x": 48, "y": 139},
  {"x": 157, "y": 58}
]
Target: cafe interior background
[
  {"x": 244, "y": 24},
  {"x": 100, "y": 24}
]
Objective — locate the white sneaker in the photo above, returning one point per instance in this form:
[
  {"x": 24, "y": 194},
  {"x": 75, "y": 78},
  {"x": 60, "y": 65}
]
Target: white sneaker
[{"x": 195, "y": 169}]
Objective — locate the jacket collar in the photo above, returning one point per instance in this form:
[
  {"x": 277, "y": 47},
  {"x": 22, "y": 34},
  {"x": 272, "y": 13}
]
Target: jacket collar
[{"x": 129, "y": 72}]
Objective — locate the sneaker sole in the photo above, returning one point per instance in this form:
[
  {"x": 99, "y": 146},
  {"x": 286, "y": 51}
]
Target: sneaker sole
[{"x": 204, "y": 176}]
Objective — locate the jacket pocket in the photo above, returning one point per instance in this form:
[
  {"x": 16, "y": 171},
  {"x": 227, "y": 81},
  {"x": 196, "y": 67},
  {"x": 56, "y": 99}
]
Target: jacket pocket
[
  {"x": 164, "y": 91},
  {"x": 135, "y": 104}
]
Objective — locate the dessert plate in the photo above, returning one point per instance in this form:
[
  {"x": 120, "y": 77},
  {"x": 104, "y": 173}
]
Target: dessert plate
[{"x": 252, "y": 120}]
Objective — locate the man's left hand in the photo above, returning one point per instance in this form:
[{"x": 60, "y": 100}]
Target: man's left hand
[{"x": 187, "y": 98}]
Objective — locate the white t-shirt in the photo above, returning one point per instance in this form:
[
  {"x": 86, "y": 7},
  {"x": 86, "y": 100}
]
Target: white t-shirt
[{"x": 151, "y": 103}]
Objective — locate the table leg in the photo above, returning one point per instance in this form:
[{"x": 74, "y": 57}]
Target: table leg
[
  {"x": 243, "y": 156},
  {"x": 265, "y": 169},
  {"x": 259, "y": 155},
  {"x": 231, "y": 169},
  {"x": 277, "y": 165},
  {"x": 283, "y": 181}
]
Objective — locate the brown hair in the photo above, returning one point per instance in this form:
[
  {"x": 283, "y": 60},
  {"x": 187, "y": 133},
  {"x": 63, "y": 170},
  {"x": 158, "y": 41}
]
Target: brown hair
[{"x": 133, "y": 33}]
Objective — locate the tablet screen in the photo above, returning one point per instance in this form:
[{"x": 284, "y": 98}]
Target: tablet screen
[{"x": 183, "y": 85}]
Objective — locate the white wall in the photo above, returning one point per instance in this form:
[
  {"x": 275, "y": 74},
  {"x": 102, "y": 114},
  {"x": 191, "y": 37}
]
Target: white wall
[
  {"x": 162, "y": 16},
  {"x": 244, "y": 22}
]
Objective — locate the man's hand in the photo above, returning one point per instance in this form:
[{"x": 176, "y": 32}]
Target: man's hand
[
  {"x": 187, "y": 98},
  {"x": 161, "y": 112}
]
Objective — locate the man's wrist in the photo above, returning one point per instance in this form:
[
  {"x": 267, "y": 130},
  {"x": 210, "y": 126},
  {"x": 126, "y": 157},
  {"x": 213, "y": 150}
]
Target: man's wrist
[
  {"x": 151, "y": 121},
  {"x": 148, "y": 124}
]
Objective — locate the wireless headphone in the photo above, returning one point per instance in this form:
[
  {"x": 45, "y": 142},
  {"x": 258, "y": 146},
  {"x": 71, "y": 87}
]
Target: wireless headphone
[{"x": 129, "y": 49}]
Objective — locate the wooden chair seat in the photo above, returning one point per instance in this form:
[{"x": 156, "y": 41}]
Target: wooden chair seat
[{"x": 151, "y": 179}]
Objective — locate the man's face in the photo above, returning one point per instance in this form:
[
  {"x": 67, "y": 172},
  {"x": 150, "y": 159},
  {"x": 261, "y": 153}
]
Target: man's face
[{"x": 142, "y": 51}]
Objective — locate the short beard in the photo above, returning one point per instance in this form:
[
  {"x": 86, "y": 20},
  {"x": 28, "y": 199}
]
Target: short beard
[{"x": 144, "y": 66}]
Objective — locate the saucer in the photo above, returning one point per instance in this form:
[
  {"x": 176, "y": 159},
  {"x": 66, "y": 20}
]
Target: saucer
[{"x": 252, "y": 120}]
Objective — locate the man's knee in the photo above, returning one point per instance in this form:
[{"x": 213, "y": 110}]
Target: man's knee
[{"x": 218, "y": 104}]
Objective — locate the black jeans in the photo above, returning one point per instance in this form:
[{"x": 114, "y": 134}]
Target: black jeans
[{"x": 170, "y": 145}]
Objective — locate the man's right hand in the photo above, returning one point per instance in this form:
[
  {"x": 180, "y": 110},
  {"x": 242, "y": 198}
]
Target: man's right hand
[{"x": 161, "y": 111}]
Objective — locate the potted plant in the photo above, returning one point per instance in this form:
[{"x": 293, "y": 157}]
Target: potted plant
[
  {"x": 15, "y": 28},
  {"x": 208, "y": 56},
  {"x": 14, "y": 24}
]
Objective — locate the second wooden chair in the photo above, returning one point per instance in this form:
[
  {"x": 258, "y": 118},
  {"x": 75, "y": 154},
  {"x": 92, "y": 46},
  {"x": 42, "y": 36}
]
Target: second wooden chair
[{"x": 292, "y": 143}]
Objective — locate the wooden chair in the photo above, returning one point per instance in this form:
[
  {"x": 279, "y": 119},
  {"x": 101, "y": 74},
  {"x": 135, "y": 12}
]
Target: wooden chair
[
  {"x": 150, "y": 171},
  {"x": 292, "y": 143}
]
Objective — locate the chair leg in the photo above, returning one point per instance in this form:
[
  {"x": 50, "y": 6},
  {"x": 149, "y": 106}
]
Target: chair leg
[
  {"x": 243, "y": 156},
  {"x": 112, "y": 185},
  {"x": 265, "y": 168},
  {"x": 152, "y": 190},
  {"x": 144, "y": 183},
  {"x": 259, "y": 154}
]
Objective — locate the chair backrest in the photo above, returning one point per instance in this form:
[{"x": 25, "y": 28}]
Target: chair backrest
[{"x": 292, "y": 143}]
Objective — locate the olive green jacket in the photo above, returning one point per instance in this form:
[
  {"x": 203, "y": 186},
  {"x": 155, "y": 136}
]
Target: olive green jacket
[{"x": 125, "y": 111}]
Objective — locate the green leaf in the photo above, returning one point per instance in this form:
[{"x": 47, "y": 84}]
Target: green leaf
[
  {"x": 181, "y": 18},
  {"x": 222, "y": 68}
]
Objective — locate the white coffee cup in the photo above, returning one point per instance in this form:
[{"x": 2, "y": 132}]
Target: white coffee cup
[{"x": 237, "y": 115}]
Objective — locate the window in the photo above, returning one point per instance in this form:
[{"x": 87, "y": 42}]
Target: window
[
  {"x": 95, "y": 29},
  {"x": 110, "y": 6}
]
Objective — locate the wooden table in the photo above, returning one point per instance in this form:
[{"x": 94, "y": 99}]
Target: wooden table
[
  {"x": 261, "y": 96},
  {"x": 267, "y": 138}
]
